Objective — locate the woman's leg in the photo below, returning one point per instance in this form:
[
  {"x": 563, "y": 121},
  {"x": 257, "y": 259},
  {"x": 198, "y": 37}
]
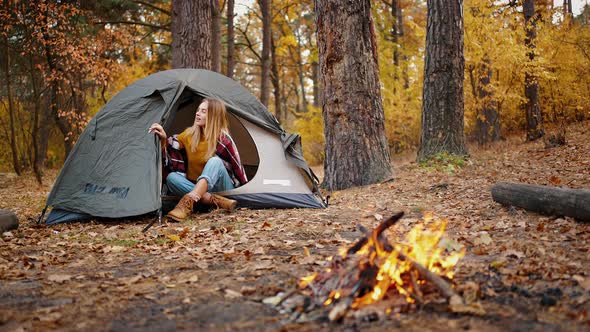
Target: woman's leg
[
  {"x": 190, "y": 192},
  {"x": 217, "y": 179},
  {"x": 216, "y": 175},
  {"x": 178, "y": 184}
]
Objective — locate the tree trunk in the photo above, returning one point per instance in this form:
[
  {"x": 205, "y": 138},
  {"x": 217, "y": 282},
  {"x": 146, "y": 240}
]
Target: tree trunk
[
  {"x": 8, "y": 79},
  {"x": 38, "y": 155},
  {"x": 357, "y": 152},
  {"x": 230, "y": 39},
  {"x": 544, "y": 199},
  {"x": 534, "y": 117},
  {"x": 315, "y": 73},
  {"x": 215, "y": 36},
  {"x": 301, "y": 74},
  {"x": 266, "y": 37},
  {"x": 442, "y": 106},
  {"x": 488, "y": 121},
  {"x": 54, "y": 92},
  {"x": 400, "y": 27},
  {"x": 395, "y": 8},
  {"x": 191, "y": 34},
  {"x": 275, "y": 80}
]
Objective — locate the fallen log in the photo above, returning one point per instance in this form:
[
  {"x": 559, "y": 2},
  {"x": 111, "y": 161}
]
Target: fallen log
[{"x": 544, "y": 199}]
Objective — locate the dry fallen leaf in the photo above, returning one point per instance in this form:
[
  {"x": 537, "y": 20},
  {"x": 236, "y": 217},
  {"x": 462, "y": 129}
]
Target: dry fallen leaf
[
  {"x": 554, "y": 180},
  {"x": 174, "y": 238},
  {"x": 483, "y": 238},
  {"x": 232, "y": 294},
  {"x": 60, "y": 278},
  {"x": 583, "y": 282}
]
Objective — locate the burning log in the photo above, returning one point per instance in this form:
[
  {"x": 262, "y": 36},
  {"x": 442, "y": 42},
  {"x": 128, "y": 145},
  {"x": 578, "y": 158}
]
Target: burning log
[
  {"x": 373, "y": 269},
  {"x": 443, "y": 286}
]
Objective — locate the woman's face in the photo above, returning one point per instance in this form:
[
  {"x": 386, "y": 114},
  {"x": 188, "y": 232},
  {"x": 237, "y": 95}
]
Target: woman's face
[{"x": 201, "y": 116}]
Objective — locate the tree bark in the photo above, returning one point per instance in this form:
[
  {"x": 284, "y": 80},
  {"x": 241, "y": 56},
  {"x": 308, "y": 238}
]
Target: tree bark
[
  {"x": 534, "y": 117},
  {"x": 301, "y": 74},
  {"x": 315, "y": 73},
  {"x": 266, "y": 40},
  {"x": 488, "y": 121},
  {"x": 544, "y": 199},
  {"x": 443, "y": 105},
  {"x": 53, "y": 90},
  {"x": 8, "y": 79},
  {"x": 38, "y": 155},
  {"x": 395, "y": 14},
  {"x": 215, "y": 36},
  {"x": 230, "y": 39},
  {"x": 191, "y": 34},
  {"x": 275, "y": 81},
  {"x": 357, "y": 152}
]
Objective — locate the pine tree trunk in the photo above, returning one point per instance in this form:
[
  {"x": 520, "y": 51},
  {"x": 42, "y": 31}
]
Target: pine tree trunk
[
  {"x": 442, "y": 106},
  {"x": 230, "y": 39},
  {"x": 534, "y": 117},
  {"x": 7, "y": 81},
  {"x": 488, "y": 122},
  {"x": 395, "y": 33},
  {"x": 215, "y": 36},
  {"x": 315, "y": 73},
  {"x": 54, "y": 90},
  {"x": 266, "y": 37},
  {"x": 38, "y": 156},
  {"x": 301, "y": 74},
  {"x": 357, "y": 152},
  {"x": 275, "y": 80},
  {"x": 191, "y": 34}
]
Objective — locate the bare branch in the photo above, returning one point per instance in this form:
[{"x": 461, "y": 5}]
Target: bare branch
[
  {"x": 153, "y": 26},
  {"x": 149, "y": 5},
  {"x": 249, "y": 44}
]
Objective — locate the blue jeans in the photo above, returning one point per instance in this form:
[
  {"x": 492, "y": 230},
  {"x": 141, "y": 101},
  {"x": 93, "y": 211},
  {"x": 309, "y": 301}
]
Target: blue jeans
[{"x": 214, "y": 172}]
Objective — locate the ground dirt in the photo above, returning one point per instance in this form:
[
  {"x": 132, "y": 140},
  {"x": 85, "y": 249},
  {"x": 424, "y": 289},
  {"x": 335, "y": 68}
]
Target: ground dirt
[{"x": 528, "y": 272}]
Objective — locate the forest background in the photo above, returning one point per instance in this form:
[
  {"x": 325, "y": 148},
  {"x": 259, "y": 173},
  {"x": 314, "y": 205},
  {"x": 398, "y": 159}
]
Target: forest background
[{"x": 62, "y": 61}]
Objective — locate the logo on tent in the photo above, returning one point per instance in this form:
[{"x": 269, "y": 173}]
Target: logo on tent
[{"x": 120, "y": 192}]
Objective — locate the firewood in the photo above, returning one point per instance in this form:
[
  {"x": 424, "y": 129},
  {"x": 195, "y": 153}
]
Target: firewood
[
  {"x": 444, "y": 287},
  {"x": 545, "y": 199},
  {"x": 377, "y": 232}
]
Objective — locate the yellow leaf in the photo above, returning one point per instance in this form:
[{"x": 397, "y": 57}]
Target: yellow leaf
[{"x": 174, "y": 238}]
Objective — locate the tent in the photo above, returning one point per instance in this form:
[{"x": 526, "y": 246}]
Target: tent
[{"x": 114, "y": 170}]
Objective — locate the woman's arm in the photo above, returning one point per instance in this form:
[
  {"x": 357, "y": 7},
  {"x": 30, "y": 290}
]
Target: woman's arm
[{"x": 157, "y": 129}]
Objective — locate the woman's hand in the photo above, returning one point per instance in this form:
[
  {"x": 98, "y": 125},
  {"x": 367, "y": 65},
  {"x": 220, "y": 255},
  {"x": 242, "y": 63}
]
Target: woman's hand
[{"x": 157, "y": 129}]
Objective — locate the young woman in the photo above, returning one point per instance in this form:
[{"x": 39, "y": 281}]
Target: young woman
[{"x": 213, "y": 161}]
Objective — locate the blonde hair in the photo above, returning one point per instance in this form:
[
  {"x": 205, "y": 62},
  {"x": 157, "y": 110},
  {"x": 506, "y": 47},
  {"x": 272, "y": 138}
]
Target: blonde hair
[{"x": 215, "y": 125}]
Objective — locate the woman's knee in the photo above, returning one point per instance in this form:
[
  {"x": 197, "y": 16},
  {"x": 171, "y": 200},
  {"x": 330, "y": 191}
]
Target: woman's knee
[
  {"x": 173, "y": 178},
  {"x": 215, "y": 161}
]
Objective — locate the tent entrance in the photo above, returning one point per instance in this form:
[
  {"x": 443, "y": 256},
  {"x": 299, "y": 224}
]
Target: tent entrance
[{"x": 184, "y": 116}]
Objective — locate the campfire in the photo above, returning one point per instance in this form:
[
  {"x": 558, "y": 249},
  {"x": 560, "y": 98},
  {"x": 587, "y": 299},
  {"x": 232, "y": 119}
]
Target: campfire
[{"x": 373, "y": 270}]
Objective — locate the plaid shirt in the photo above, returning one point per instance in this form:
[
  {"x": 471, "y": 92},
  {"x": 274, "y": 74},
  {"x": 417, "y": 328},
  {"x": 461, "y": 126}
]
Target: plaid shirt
[
  {"x": 228, "y": 152},
  {"x": 175, "y": 158}
]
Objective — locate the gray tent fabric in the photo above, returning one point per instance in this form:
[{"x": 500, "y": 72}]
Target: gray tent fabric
[{"x": 114, "y": 170}]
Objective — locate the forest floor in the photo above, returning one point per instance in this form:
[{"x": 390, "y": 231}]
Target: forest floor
[{"x": 530, "y": 272}]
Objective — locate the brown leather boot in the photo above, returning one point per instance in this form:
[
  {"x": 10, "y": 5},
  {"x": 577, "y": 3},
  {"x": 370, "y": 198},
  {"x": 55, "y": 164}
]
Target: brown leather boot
[
  {"x": 183, "y": 209},
  {"x": 220, "y": 201}
]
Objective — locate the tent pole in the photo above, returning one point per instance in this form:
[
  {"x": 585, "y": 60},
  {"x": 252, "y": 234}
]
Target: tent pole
[
  {"x": 42, "y": 215},
  {"x": 158, "y": 218}
]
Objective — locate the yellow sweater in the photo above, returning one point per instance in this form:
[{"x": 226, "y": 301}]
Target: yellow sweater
[{"x": 196, "y": 158}]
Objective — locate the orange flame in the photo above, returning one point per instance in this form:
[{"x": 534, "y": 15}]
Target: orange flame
[{"x": 421, "y": 244}]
